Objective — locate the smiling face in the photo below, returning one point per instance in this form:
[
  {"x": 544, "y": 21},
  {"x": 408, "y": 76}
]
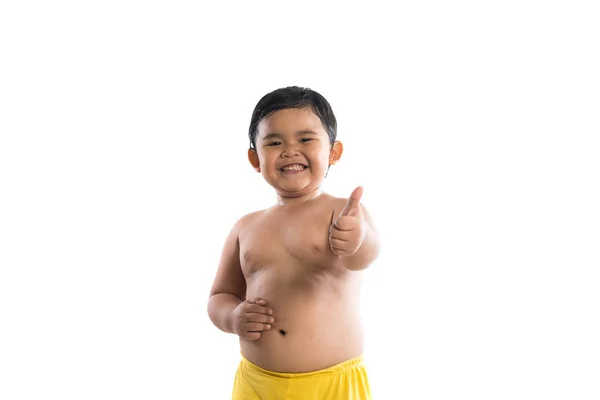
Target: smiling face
[{"x": 293, "y": 152}]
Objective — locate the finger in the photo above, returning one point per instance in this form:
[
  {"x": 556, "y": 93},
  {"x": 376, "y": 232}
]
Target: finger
[
  {"x": 257, "y": 327},
  {"x": 338, "y": 244},
  {"x": 251, "y": 335},
  {"x": 255, "y": 308},
  {"x": 338, "y": 251},
  {"x": 353, "y": 201},
  {"x": 266, "y": 319},
  {"x": 340, "y": 236},
  {"x": 355, "y": 212},
  {"x": 345, "y": 236},
  {"x": 346, "y": 223},
  {"x": 258, "y": 300}
]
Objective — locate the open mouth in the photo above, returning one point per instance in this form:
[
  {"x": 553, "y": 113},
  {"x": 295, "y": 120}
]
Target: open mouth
[{"x": 293, "y": 168}]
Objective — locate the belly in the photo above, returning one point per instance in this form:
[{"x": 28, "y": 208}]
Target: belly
[{"x": 317, "y": 322}]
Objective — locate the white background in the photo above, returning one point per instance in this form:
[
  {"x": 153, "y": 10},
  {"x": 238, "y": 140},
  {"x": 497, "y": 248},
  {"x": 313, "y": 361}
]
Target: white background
[{"x": 473, "y": 128}]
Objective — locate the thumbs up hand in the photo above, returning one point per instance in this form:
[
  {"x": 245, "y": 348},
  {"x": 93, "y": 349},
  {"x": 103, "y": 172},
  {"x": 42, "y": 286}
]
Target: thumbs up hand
[{"x": 348, "y": 230}]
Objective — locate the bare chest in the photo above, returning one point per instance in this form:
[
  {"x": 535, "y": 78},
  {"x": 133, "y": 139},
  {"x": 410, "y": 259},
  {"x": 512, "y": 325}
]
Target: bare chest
[{"x": 287, "y": 239}]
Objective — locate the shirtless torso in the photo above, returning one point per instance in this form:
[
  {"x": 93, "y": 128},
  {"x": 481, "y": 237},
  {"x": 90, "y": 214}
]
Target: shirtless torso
[{"x": 286, "y": 259}]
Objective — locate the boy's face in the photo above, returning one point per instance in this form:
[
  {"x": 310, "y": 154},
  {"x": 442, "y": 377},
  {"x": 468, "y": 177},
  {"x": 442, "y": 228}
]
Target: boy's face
[{"x": 293, "y": 151}]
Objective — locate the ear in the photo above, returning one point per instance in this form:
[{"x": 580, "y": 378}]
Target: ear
[
  {"x": 253, "y": 158},
  {"x": 336, "y": 152}
]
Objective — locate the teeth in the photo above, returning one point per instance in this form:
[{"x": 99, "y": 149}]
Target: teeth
[{"x": 295, "y": 167}]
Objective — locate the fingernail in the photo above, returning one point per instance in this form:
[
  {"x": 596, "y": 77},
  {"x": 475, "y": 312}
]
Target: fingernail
[{"x": 268, "y": 326}]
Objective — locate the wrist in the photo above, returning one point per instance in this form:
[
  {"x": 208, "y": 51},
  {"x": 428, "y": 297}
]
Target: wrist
[
  {"x": 230, "y": 321},
  {"x": 221, "y": 309}
]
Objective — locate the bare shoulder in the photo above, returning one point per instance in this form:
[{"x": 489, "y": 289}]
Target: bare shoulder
[
  {"x": 338, "y": 203},
  {"x": 328, "y": 204},
  {"x": 248, "y": 219}
]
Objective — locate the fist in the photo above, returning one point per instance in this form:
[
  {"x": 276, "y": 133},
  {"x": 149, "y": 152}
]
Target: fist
[
  {"x": 251, "y": 318},
  {"x": 347, "y": 231}
]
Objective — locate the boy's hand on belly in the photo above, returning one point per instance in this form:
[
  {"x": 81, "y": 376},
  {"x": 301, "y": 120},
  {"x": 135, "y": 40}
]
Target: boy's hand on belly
[
  {"x": 251, "y": 317},
  {"x": 348, "y": 229}
]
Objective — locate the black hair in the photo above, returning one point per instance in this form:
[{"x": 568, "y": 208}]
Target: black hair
[{"x": 293, "y": 97}]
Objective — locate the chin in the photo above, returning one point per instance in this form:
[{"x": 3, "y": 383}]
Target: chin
[
  {"x": 292, "y": 189},
  {"x": 292, "y": 193}
]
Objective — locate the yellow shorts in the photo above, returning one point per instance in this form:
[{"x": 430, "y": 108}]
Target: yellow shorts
[{"x": 345, "y": 381}]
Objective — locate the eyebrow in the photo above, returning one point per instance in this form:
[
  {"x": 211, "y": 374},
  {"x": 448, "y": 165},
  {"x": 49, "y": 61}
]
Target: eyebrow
[{"x": 274, "y": 135}]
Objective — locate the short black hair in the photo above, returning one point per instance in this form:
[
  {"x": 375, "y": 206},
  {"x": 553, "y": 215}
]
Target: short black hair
[{"x": 293, "y": 97}]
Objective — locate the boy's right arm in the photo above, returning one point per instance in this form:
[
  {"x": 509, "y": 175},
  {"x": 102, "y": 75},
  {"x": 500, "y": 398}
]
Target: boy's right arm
[
  {"x": 228, "y": 307},
  {"x": 229, "y": 287}
]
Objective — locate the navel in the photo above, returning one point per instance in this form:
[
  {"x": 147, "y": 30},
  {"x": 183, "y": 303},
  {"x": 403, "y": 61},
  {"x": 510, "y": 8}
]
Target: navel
[{"x": 282, "y": 332}]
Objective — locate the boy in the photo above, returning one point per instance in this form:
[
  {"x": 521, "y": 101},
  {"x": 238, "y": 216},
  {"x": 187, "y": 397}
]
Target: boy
[{"x": 289, "y": 277}]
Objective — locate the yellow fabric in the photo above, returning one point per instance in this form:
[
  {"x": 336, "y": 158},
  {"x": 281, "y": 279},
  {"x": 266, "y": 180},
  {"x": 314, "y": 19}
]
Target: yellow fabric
[{"x": 344, "y": 381}]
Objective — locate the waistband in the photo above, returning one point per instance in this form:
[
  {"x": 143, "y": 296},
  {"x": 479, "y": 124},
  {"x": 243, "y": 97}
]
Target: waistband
[{"x": 336, "y": 369}]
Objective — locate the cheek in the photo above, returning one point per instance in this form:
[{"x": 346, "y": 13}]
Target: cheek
[
  {"x": 265, "y": 158},
  {"x": 269, "y": 162},
  {"x": 320, "y": 164}
]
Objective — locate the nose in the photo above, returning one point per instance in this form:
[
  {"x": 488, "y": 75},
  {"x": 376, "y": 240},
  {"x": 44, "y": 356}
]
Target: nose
[{"x": 290, "y": 150}]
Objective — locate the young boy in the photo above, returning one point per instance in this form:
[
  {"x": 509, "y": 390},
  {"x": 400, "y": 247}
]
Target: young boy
[{"x": 289, "y": 277}]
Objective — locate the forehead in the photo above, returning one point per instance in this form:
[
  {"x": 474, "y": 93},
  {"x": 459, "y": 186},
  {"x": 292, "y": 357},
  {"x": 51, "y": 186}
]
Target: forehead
[{"x": 291, "y": 120}]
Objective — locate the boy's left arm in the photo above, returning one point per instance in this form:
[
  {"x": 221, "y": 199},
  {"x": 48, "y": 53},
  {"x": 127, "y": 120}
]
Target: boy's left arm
[{"x": 353, "y": 236}]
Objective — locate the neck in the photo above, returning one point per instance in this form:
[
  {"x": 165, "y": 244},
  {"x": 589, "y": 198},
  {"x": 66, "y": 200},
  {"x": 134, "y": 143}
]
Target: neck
[{"x": 283, "y": 200}]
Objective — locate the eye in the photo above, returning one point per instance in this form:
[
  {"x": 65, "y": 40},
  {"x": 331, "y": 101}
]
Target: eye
[
  {"x": 304, "y": 140},
  {"x": 274, "y": 143}
]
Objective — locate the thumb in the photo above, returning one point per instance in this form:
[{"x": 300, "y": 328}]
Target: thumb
[{"x": 353, "y": 201}]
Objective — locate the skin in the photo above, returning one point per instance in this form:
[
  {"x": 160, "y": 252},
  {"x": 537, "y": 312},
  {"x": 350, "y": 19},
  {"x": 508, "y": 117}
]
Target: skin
[{"x": 296, "y": 267}]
